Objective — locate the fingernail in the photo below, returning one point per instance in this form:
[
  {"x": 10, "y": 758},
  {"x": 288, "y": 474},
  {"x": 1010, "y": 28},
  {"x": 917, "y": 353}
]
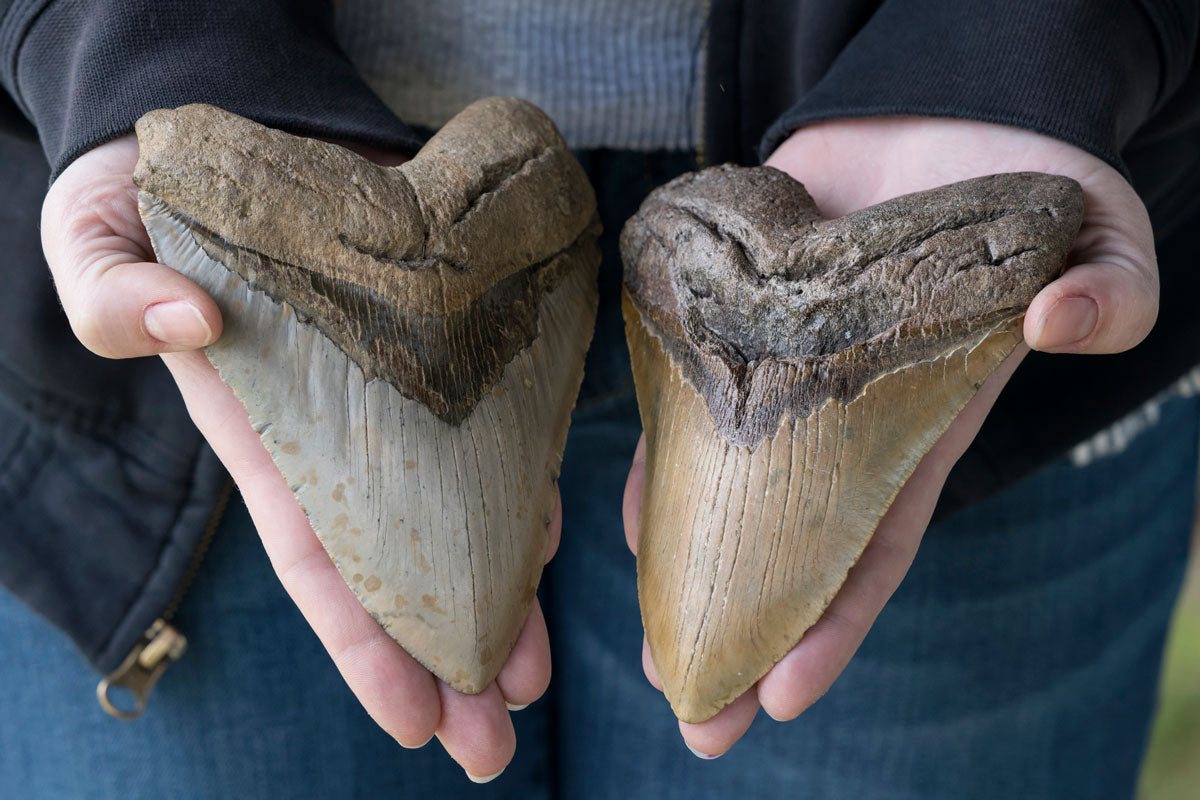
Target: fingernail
[
  {"x": 414, "y": 746},
  {"x": 698, "y": 754},
  {"x": 484, "y": 779},
  {"x": 511, "y": 707},
  {"x": 177, "y": 322},
  {"x": 1068, "y": 321}
]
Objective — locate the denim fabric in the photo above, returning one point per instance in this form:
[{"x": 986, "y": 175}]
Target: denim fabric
[{"x": 1019, "y": 658}]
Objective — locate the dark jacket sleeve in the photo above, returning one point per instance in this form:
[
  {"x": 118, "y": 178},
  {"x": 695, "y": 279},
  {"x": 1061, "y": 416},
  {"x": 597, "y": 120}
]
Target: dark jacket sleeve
[
  {"x": 1089, "y": 72},
  {"x": 82, "y": 71},
  {"x": 1117, "y": 78}
]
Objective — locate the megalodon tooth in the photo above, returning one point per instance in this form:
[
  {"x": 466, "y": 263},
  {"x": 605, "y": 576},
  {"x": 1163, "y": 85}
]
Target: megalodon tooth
[
  {"x": 407, "y": 341},
  {"x": 791, "y": 371}
]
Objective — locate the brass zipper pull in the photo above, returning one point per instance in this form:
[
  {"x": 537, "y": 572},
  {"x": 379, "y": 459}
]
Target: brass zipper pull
[{"x": 159, "y": 647}]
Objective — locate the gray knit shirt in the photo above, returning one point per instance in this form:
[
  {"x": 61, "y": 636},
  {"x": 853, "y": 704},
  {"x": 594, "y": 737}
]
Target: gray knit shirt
[{"x": 611, "y": 73}]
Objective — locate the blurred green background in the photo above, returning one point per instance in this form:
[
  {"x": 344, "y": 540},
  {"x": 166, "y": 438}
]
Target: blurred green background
[{"x": 1172, "y": 767}]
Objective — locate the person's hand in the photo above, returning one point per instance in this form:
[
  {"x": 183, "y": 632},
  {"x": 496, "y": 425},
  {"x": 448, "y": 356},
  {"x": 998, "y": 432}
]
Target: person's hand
[
  {"x": 120, "y": 304},
  {"x": 1106, "y": 302}
]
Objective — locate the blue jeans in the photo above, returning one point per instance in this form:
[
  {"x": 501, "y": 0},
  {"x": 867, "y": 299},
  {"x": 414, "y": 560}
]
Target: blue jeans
[{"x": 1019, "y": 658}]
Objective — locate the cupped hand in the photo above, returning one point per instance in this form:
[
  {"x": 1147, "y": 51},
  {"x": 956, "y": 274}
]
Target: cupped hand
[
  {"x": 120, "y": 304},
  {"x": 1105, "y": 302}
]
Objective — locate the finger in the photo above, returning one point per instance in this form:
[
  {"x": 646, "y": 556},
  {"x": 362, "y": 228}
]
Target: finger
[
  {"x": 1093, "y": 308},
  {"x": 631, "y": 503},
  {"x": 1108, "y": 302},
  {"x": 125, "y": 309},
  {"x": 648, "y": 666},
  {"x": 555, "y": 526},
  {"x": 118, "y": 301},
  {"x": 715, "y": 736},
  {"x": 477, "y": 731},
  {"x": 526, "y": 674},
  {"x": 803, "y": 676},
  {"x": 398, "y": 693}
]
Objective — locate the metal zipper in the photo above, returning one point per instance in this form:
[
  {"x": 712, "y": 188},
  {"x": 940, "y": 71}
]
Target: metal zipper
[{"x": 162, "y": 644}]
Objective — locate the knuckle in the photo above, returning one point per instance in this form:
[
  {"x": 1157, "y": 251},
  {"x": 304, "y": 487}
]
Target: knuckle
[
  {"x": 1132, "y": 314},
  {"x": 95, "y": 324},
  {"x": 94, "y": 332}
]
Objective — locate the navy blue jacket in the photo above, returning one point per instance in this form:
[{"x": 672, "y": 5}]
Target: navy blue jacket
[{"x": 106, "y": 488}]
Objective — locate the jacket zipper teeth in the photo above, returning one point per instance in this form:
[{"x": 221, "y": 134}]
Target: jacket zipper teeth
[
  {"x": 162, "y": 644},
  {"x": 189, "y": 575}
]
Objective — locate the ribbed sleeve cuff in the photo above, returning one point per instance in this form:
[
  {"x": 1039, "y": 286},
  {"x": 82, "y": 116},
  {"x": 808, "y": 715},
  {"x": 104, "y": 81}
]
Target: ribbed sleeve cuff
[
  {"x": 1084, "y": 71},
  {"x": 84, "y": 70}
]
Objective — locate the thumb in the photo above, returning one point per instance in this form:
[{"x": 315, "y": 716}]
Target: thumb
[
  {"x": 119, "y": 302},
  {"x": 1108, "y": 301}
]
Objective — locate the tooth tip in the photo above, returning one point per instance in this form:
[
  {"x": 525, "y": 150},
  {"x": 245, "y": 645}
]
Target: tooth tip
[{"x": 709, "y": 688}]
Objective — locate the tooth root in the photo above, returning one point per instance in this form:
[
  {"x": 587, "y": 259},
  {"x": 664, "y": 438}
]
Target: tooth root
[
  {"x": 422, "y": 437},
  {"x": 791, "y": 373}
]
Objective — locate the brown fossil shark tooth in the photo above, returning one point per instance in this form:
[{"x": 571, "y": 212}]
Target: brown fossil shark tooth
[
  {"x": 407, "y": 341},
  {"x": 791, "y": 371}
]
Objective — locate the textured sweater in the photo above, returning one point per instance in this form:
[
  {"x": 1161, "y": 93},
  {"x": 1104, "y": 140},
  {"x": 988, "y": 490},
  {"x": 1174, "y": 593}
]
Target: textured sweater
[{"x": 618, "y": 74}]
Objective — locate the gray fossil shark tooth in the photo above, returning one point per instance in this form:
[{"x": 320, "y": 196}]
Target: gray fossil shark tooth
[
  {"x": 408, "y": 342},
  {"x": 791, "y": 372}
]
